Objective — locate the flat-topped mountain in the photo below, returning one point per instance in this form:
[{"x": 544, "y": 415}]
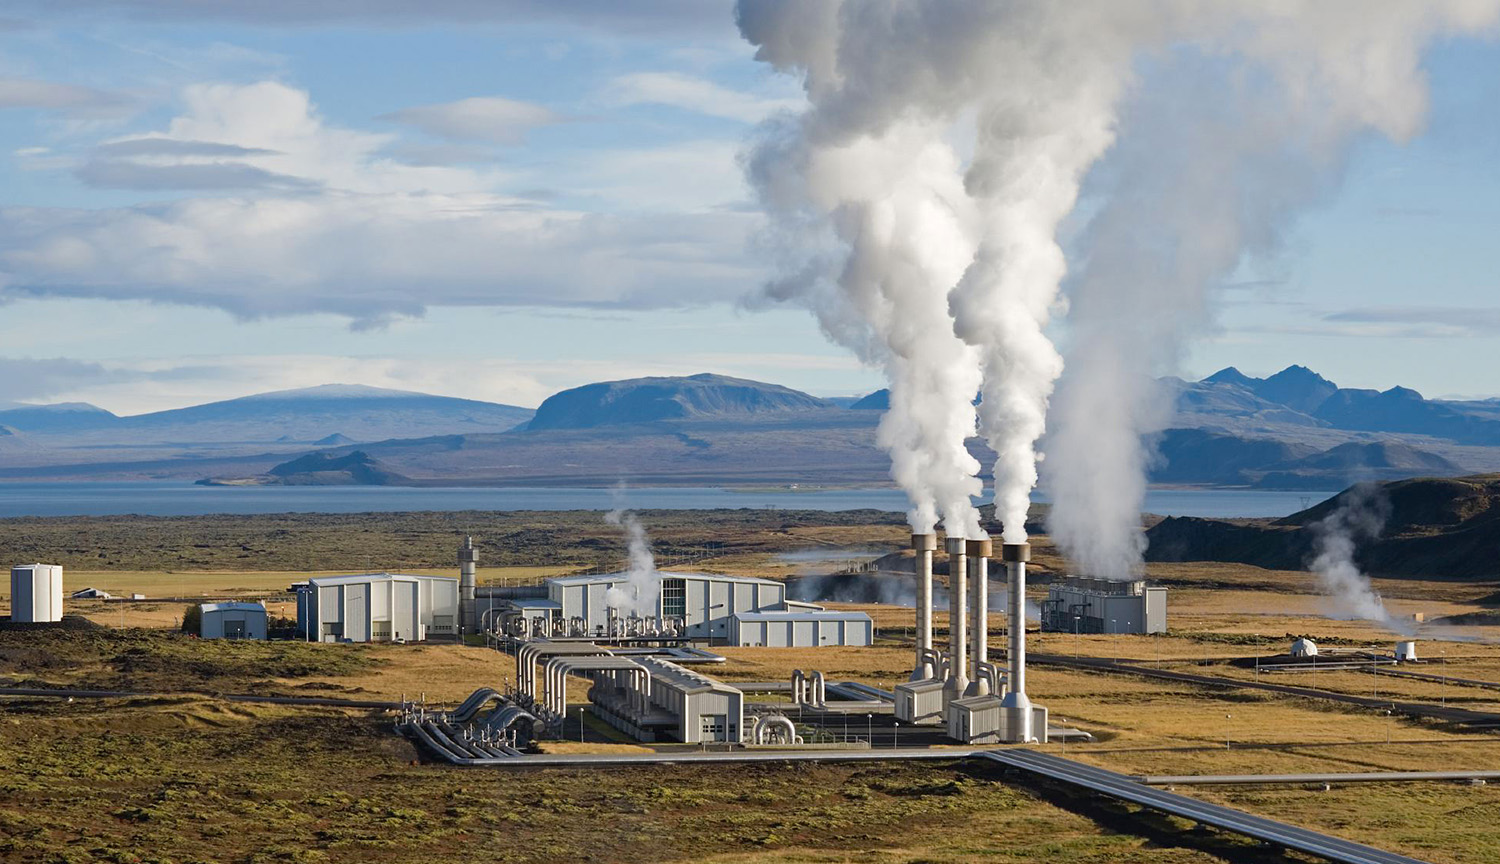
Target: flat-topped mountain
[{"x": 650, "y": 400}]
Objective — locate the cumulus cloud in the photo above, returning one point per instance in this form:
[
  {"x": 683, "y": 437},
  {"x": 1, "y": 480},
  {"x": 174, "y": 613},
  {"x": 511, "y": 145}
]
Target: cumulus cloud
[
  {"x": 82, "y": 102},
  {"x": 480, "y": 118},
  {"x": 695, "y": 94},
  {"x": 324, "y": 220}
]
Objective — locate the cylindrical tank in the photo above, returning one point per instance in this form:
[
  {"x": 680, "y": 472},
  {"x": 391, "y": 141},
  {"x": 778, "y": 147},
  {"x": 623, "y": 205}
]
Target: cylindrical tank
[
  {"x": 468, "y": 561},
  {"x": 1406, "y": 652}
]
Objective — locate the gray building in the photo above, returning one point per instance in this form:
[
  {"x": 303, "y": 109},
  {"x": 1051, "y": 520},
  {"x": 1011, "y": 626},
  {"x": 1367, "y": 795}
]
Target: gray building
[
  {"x": 232, "y": 620},
  {"x": 1084, "y": 604},
  {"x": 802, "y": 628},
  {"x": 735, "y": 610},
  {"x": 377, "y": 607},
  {"x": 682, "y": 706}
]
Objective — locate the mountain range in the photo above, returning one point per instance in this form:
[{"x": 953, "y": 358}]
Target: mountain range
[{"x": 1291, "y": 430}]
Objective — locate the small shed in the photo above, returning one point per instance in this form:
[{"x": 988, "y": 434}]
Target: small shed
[
  {"x": 1304, "y": 647},
  {"x": 232, "y": 620}
]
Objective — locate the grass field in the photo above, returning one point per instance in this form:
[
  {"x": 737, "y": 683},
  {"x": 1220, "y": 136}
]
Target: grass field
[{"x": 187, "y": 778}]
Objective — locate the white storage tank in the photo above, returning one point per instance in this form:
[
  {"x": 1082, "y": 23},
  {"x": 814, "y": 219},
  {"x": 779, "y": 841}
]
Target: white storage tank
[
  {"x": 36, "y": 593},
  {"x": 1406, "y": 652}
]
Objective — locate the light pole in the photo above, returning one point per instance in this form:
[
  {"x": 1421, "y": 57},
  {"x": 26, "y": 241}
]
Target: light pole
[
  {"x": 846, "y": 727},
  {"x": 1227, "y": 718},
  {"x": 896, "y": 735},
  {"x": 870, "y": 728},
  {"x": 1445, "y": 677}
]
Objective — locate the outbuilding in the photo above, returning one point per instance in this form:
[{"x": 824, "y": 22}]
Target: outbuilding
[
  {"x": 377, "y": 607},
  {"x": 232, "y": 620},
  {"x": 36, "y": 593},
  {"x": 802, "y": 628}
]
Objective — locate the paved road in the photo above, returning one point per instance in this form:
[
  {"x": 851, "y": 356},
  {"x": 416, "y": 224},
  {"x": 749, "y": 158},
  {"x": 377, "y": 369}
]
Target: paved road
[
  {"x": 1123, "y": 787},
  {"x": 1460, "y": 716},
  {"x": 326, "y": 701}
]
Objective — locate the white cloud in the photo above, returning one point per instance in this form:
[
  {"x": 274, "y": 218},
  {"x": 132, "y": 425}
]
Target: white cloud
[
  {"x": 695, "y": 94},
  {"x": 480, "y": 118},
  {"x": 323, "y": 221}
]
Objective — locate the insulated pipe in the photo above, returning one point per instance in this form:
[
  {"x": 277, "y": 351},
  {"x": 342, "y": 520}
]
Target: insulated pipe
[
  {"x": 799, "y": 683},
  {"x": 1015, "y": 556},
  {"x": 958, "y": 614},
  {"x": 923, "y": 545},
  {"x": 819, "y": 689},
  {"x": 979, "y": 552}
]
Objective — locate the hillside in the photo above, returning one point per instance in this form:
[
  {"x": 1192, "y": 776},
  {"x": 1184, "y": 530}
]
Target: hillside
[
  {"x": 1438, "y": 527},
  {"x": 321, "y": 469},
  {"x": 649, "y": 400}
]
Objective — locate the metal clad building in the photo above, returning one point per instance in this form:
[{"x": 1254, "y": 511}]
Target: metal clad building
[
  {"x": 1088, "y": 605},
  {"x": 706, "y": 710},
  {"x": 36, "y": 593},
  {"x": 800, "y": 628},
  {"x": 232, "y": 621},
  {"x": 377, "y": 607},
  {"x": 705, "y": 602}
]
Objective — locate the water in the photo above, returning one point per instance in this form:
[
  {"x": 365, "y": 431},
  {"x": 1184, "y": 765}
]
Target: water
[{"x": 184, "y": 499}]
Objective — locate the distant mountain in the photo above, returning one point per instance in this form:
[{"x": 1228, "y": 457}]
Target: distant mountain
[
  {"x": 1199, "y": 456},
  {"x": 877, "y": 401},
  {"x": 650, "y": 400},
  {"x": 355, "y": 412},
  {"x": 320, "y": 469},
  {"x": 1437, "y": 527},
  {"x": 59, "y": 417},
  {"x": 337, "y": 439}
]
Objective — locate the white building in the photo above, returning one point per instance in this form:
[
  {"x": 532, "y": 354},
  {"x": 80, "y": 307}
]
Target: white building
[
  {"x": 232, "y": 620},
  {"x": 735, "y": 610},
  {"x": 377, "y": 607},
  {"x": 682, "y": 705},
  {"x": 802, "y": 628},
  {"x": 36, "y": 593},
  {"x": 1084, "y": 604}
]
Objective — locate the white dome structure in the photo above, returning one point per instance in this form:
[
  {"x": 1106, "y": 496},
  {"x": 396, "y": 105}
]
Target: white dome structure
[{"x": 1304, "y": 647}]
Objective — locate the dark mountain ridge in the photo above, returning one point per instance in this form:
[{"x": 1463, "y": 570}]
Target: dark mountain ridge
[{"x": 649, "y": 400}]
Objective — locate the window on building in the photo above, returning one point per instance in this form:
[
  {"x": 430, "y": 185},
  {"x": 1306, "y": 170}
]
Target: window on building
[{"x": 674, "y": 598}]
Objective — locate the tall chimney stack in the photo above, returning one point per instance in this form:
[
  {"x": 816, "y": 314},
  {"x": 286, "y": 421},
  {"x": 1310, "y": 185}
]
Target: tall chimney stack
[
  {"x": 979, "y": 552},
  {"x": 958, "y": 614},
  {"x": 468, "y": 559},
  {"x": 924, "y": 545},
  {"x": 1016, "y": 705}
]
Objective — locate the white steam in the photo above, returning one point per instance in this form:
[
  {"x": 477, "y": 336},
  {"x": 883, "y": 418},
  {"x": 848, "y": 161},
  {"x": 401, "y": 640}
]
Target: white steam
[
  {"x": 640, "y": 593},
  {"x": 1361, "y": 515},
  {"x": 917, "y": 205}
]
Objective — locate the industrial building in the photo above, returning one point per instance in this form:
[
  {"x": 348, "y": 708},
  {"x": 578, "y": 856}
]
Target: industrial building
[
  {"x": 232, "y": 620},
  {"x": 736, "y": 610},
  {"x": 36, "y": 593},
  {"x": 677, "y": 704},
  {"x": 377, "y": 607},
  {"x": 1084, "y": 604}
]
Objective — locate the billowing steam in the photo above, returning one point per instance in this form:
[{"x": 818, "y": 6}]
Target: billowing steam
[
  {"x": 640, "y": 593},
  {"x": 917, "y": 205},
  {"x": 1360, "y": 516}
]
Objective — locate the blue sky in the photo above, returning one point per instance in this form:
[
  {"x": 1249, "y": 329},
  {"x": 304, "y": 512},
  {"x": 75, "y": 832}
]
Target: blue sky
[{"x": 501, "y": 199}]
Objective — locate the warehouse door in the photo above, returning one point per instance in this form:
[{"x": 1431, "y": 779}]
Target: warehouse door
[
  {"x": 234, "y": 629},
  {"x": 713, "y": 727}
]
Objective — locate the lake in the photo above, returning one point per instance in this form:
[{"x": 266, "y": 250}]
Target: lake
[{"x": 183, "y": 499}]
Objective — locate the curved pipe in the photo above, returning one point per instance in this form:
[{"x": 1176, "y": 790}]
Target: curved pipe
[
  {"x": 819, "y": 689},
  {"x": 799, "y": 686},
  {"x": 764, "y": 727}
]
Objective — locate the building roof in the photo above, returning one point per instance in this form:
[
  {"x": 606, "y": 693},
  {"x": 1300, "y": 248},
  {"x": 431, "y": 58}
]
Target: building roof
[
  {"x": 620, "y": 576},
  {"x": 533, "y": 603},
  {"x": 357, "y": 578},
  {"x": 802, "y": 615},
  {"x": 232, "y": 606},
  {"x": 680, "y": 678}
]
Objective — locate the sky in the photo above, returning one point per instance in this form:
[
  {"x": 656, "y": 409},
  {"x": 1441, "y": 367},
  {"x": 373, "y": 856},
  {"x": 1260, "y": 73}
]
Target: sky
[{"x": 499, "y": 199}]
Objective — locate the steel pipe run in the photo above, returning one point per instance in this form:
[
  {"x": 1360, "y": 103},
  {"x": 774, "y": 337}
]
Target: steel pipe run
[
  {"x": 1016, "y": 705},
  {"x": 958, "y": 619},
  {"x": 923, "y": 545},
  {"x": 979, "y": 552}
]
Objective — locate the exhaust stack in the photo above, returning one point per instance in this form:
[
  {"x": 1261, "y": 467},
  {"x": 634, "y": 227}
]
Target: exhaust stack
[
  {"x": 979, "y": 552},
  {"x": 924, "y": 545},
  {"x": 1016, "y": 706},
  {"x": 468, "y": 559},
  {"x": 958, "y": 614}
]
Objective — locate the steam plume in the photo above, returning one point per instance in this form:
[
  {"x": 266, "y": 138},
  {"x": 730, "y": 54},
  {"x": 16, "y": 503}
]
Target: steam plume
[
  {"x": 946, "y": 141},
  {"x": 641, "y": 591},
  {"x": 1361, "y": 515}
]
